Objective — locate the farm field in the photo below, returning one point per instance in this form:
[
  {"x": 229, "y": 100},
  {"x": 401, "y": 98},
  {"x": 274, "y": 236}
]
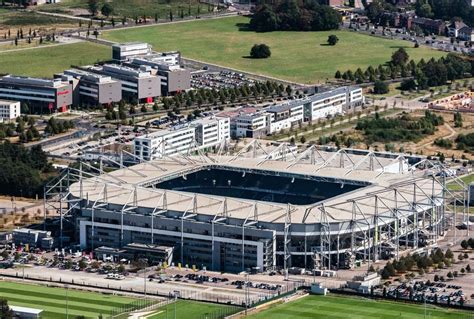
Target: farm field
[
  {"x": 131, "y": 8},
  {"x": 329, "y": 307},
  {"x": 296, "y": 56},
  {"x": 53, "y": 300},
  {"x": 193, "y": 310},
  {"x": 11, "y": 19},
  {"x": 52, "y": 59}
]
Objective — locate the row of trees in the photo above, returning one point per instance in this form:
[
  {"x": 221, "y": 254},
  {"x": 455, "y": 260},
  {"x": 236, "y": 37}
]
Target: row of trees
[
  {"x": 224, "y": 95},
  {"x": 422, "y": 75},
  {"x": 290, "y": 15},
  {"x": 422, "y": 263},
  {"x": 55, "y": 126}
]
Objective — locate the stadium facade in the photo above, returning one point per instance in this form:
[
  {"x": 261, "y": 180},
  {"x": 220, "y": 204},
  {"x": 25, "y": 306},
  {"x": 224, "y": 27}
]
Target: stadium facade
[{"x": 317, "y": 209}]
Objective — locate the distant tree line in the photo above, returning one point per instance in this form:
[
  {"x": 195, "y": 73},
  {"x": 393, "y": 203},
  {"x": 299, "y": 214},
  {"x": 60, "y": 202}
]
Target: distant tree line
[
  {"x": 24, "y": 171},
  {"x": 423, "y": 74},
  {"x": 290, "y": 15},
  {"x": 446, "y": 10}
]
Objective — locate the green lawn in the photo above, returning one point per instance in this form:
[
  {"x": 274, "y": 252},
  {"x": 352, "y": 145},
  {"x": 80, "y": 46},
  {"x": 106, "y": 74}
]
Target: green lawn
[
  {"x": 53, "y": 300},
  {"x": 468, "y": 179},
  {"x": 192, "y": 310},
  {"x": 46, "y": 61},
  {"x": 296, "y": 56},
  {"x": 329, "y": 307}
]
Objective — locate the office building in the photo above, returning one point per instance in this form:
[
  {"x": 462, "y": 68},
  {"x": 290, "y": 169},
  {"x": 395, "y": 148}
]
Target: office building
[
  {"x": 333, "y": 102},
  {"x": 284, "y": 116},
  {"x": 122, "y": 51},
  {"x": 9, "y": 110},
  {"x": 174, "y": 78},
  {"x": 164, "y": 143},
  {"x": 40, "y": 94},
  {"x": 211, "y": 132},
  {"x": 137, "y": 84},
  {"x": 92, "y": 89}
]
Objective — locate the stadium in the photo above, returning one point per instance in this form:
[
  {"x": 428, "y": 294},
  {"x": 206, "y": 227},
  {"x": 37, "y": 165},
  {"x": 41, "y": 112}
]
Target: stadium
[{"x": 261, "y": 210}]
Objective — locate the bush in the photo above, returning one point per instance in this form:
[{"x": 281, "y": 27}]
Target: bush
[
  {"x": 333, "y": 39},
  {"x": 260, "y": 51},
  {"x": 381, "y": 87}
]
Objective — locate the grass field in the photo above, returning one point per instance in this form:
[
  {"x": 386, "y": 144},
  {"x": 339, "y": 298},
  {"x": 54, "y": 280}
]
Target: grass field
[
  {"x": 468, "y": 179},
  {"x": 329, "y": 307},
  {"x": 296, "y": 56},
  {"x": 191, "y": 310},
  {"x": 46, "y": 61},
  {"x": 53, "y": 300}
]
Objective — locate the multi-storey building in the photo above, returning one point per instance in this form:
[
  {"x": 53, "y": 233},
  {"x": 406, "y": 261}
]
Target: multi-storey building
[
  {"x": 164, "y": 143},
  {"x": 40, "y": 94},
  {"x": 90, "y": 88},
  {"x": 211, "y": 132},
  {"x": 174, "y": 78},
  {"x": 137, "y": 84},
  {"x": 284, "y": 116},
  {"x": 9, "y": 110},
  {"x": 330, "y": 103},
  {"x": 123, "y": 51}
]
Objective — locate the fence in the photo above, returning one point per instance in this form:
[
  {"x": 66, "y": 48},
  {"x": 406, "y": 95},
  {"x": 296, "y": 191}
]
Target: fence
[{"x": 252, "y": 297}]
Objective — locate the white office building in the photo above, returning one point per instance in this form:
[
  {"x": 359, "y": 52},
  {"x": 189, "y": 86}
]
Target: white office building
[
  {"x": 123, "y": 51},
  {"x": 9, "y": 110},
  {"x": 164, "y": 143},
  {"x": 211, "y": 132},
  {"x": 333, "y": 102},
  {"x": 201, "y": 134},
  {"x": 285, "y": 116}
]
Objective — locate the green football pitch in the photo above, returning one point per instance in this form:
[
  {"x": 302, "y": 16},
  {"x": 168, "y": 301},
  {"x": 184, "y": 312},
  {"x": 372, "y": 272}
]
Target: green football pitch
[
  {"x": 193, "y": 310},
  {"x": 296, "y": 56},
  {"x": 342, "y": 307},
  {"x": 53, "y": 301}
]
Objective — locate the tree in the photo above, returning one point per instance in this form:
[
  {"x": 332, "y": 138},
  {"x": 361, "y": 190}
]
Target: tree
[
  {"x": 423, "y": 9},
  {"x": 333, "y": 39},
  {"x": 264, "y": 20},
  {"x": 107, "y": 9},
  {"x": 381, "y": 87},
  {"x": 93, "y": 7},
  {"x": 5, "y": 311},
  {"x": 400, "y": 57},
  {"x": 450, "y": 275},
  {"x": 449, "y": 254},
  {"x": 468, "y": 268},
  {"x": 260, "y": 51},
  {"x": 303, "y": 139}
]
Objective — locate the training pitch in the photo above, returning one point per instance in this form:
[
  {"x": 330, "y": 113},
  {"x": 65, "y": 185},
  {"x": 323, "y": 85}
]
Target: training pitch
[
  {"x": 334, "y": 306},
  {"x": 296, "y": 56},
  {"x": 193, "y": 310},
  {"x": 53, "y": 301}
]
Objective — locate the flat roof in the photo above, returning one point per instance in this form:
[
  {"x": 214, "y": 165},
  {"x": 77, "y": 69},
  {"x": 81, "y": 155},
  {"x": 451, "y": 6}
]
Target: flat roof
[
  {"x": 28, "y": 310},
  {"x": 327, "y": 166}
]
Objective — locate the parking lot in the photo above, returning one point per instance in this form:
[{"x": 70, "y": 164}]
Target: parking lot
[{"x": 218, "y": 80}]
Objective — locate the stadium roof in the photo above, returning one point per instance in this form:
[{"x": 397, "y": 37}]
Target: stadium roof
[{"x": 132, "y": 187}]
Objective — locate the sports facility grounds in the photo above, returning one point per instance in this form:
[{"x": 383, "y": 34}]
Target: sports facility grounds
[
  {"x": 342, "y": 307},
  {"x": 56, "y": 301}
]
